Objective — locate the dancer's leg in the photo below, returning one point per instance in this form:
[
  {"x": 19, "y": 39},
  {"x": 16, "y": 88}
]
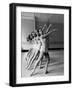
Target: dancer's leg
[
  {"x": 29, "y": 54},
  {"x": 35, "y": 56},
  {"x": 48, "y": 61},
  {"x": 41, "y": 62},
  {"x": 35, "y": 66}
]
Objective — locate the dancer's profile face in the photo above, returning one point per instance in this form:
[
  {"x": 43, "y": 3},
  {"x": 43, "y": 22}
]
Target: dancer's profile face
[
  {"x": 40, "y": 32},
  {"x": 29, "y": 38},
  {"x": 33, "y": 34},
  {"x": 36, "y": 34}
]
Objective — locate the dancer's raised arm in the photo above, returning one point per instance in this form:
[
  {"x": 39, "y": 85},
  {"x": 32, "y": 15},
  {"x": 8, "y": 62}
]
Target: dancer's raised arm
[
  {"x": 44, "y": 27},
  {"x": 48, "y": 29},
  {"x": 46, "y": 34}
]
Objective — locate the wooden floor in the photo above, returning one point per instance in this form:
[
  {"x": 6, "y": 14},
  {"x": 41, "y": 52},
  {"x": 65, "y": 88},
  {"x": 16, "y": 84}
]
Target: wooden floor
[{"x": 55, "y": 67}]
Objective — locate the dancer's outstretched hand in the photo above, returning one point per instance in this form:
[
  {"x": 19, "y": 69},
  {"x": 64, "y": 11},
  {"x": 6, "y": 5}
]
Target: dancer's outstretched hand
[{"x": 48, "y": 31}]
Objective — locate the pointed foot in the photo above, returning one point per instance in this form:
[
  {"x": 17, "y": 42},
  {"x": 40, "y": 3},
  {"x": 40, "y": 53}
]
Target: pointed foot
[{"x": 46, "y": 72}]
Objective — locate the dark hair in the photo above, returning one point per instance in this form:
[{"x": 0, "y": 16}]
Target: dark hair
[
  {"x": 29, "y": 38},
  {"x": 34, "y": 34},
  {"x": 39, "y": 32}
]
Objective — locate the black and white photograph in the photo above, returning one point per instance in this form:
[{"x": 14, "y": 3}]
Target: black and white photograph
[
  {"x": 40, "y": 41},
  {"x": 42, "y": 44}
]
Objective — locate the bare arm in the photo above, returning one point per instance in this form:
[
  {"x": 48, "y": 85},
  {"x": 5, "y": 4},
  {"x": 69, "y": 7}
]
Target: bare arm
[
  {"x": 44, "y": 27},
  {"x": 48, "y": 29},
  {"x": 46, "y": 34}
]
